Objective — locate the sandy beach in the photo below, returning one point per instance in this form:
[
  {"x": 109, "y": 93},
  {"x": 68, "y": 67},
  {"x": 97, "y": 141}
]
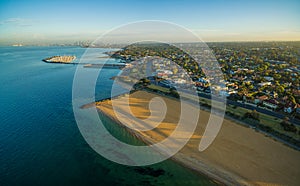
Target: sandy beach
[{"x": 238, "y": 156}]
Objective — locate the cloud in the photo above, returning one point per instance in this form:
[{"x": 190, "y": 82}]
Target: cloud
[
  {"x": 17, "y": 21},
  {"x": 25, "y": 25},
  {"x": 207, "y": 30},
  {"x": 12, "y": 20},
  {"x": 232, "y": 34},
  {"x": 288, "y": 32}
]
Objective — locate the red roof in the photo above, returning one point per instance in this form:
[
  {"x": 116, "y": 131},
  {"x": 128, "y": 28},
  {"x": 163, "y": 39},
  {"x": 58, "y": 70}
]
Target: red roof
[
  {"x": 262, "y": 98},
  {"x": 272, "y": 101}
]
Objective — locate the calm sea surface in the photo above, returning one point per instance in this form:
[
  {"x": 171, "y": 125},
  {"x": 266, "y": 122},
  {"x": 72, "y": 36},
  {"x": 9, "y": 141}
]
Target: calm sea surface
[{"x": 40, "y": 143}]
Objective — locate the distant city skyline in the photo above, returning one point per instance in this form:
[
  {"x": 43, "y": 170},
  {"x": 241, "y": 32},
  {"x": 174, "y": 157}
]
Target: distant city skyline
[{"x": 37, "y": 22}]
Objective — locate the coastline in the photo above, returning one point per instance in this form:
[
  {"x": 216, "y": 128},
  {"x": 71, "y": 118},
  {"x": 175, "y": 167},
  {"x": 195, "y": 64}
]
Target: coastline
[
  {"x": 231, "y": 171},
  {"x": 177, "y": 158}
]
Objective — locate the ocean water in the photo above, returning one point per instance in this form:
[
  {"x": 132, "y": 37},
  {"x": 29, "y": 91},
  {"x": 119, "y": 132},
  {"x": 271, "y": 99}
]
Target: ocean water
[{"x": 40, "y": 143}]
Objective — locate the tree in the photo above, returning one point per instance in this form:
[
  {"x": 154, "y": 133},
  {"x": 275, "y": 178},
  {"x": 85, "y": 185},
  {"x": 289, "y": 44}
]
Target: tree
[
  {"x": 175, "y": 70},
  {"x": 287, "y": 126},
  {"x": 174, "y": 93},
  {"x": 253, "y": 115},
  {"x": 292, "y": 99},
  {"x": 277, "y": 76},
  {"x": 279, "y": 89}
]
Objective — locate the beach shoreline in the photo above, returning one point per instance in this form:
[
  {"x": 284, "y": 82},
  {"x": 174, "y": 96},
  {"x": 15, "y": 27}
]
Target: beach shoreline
[
  {"x": 209, "y": 164},
  {"x": 183, "y": 162}
]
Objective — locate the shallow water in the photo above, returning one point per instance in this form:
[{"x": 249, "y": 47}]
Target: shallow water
[{"x": 40, "y": 143}]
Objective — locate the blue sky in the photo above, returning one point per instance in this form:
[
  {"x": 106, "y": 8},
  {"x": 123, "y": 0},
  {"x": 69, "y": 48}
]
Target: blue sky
[{"x": 61, "y": 20}]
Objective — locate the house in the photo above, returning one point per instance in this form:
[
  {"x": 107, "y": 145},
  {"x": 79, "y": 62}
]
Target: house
[
  {"x": 271, "y": 103},
  {"x": 264, "y": 83},
  {"x": 163, "y": 73},
  {"x": 179, "y": 81},
  {"x": 227, "y": 93},
  {"x": 289, "y": 107},
  {"x": 243, "y": 69},
  {"x": 268, "y": 78},
  {"x": 203, "y": 80},
  {"x": 260, "y": 99}
]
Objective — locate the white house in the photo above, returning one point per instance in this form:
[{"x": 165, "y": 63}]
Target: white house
[{"x": 271, "y": 103}]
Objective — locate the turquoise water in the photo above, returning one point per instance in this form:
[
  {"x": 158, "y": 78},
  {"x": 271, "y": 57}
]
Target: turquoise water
[{"x": 40, "y": 143}]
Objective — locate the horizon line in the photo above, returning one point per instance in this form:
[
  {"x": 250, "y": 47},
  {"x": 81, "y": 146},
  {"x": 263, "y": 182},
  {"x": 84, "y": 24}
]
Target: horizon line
[{"x": 120, "y": 43}]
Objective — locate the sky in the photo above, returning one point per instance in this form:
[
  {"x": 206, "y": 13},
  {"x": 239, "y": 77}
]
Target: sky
[{"x": 38, "y": 21}]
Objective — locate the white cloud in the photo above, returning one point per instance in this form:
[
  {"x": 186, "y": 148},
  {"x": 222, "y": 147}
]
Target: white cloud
[
  {"x": 207, "y": 30},
  {"x": 232, "y": 34},
  {"x": 17, "y": 22}
]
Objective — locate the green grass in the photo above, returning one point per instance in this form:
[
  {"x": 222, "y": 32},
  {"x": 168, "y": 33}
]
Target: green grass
[
  {"x": 159, "y": 88},
  {"x": 266, "y": 120}
]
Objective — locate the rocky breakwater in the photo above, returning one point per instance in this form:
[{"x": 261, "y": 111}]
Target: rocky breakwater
[{"x": 60, "y": 59}]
